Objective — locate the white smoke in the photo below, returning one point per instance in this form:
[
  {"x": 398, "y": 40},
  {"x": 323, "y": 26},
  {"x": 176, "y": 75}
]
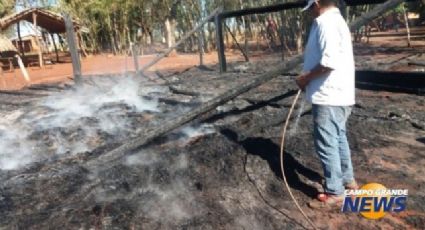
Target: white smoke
[
  {"x": 171, "y": 202},
  {"x": 69, "y": 122},
  {"x": 197, "y": 131},
  {"x": 13, "y": 152}
]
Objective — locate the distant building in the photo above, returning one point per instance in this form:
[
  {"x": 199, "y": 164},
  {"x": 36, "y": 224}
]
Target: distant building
[{"x": 414, "y": 18}]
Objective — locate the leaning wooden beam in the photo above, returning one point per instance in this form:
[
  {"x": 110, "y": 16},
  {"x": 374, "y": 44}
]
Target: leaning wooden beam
[
  {"x": 369, "y": 16},
  {"x": 22, "y": 67},
  {"x": 264, "y": 9},
  {"x": 155, "y": 132},
  {"x": 237, "y": 43},
  {"x": 169, "y": 50}
]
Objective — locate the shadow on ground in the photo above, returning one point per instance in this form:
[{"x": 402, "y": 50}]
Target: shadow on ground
[
  {"x": 269, "y": 151},
  {"x": 422, "y": 140}
]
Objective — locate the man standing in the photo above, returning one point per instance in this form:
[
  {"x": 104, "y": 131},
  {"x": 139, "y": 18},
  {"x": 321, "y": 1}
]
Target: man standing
[{"x": 328, "y": 80}]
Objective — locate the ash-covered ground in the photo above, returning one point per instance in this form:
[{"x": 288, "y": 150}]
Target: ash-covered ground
[{"x": 219, "y": 172}]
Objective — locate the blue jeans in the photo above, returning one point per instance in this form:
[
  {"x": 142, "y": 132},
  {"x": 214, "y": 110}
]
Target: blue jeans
[{"x": 331, "y": 145}]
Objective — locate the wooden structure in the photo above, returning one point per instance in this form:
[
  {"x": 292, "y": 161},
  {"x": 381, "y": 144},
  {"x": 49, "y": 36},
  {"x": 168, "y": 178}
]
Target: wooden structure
[
  {"x": 7, "y": 51},
  {"x": 28, "y": 43},
  {"x": 266, "y": 9},
  {"x": 6, "y": 45},
  {"x": 50, "y": 21}
]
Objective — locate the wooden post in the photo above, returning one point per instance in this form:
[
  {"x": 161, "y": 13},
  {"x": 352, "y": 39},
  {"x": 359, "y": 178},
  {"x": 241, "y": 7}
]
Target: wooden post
[
  {"x": 56, "y": 47},
  {"x": 220, "y": 43},
  {"x": 135, "y": 57},
  {"x": 21, "y": 46},
  {"x": 71, "y": 38},
  {"x": 406, "y": 20},
  {"x": 201, "y": 46},
  {"x": 40, "y": 52},
  {"x": 23, "y": 70}
]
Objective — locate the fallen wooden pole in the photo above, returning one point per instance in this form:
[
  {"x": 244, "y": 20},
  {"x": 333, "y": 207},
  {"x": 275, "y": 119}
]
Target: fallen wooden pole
[
  {"x": 154, "y": 132},
  {"x": 190, "y": 33}
]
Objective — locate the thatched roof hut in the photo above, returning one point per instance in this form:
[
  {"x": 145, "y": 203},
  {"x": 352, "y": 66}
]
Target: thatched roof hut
[{"x": 6, "y": 45}]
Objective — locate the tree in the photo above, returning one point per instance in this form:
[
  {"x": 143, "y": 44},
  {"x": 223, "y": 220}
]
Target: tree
[{"x": 6, "y": 7}]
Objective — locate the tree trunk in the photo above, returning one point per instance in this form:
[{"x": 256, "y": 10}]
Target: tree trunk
[
  {"x": 111, "y": 36},
  {"x": 406, "y": 21},
  {"x": 299, "y": 38},
  {"x": 170, "y": 29}
]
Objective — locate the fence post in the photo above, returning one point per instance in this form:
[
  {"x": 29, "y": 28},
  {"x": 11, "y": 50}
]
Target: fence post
[
  {"x": 70, "y": 35},
  {"x": 220, "y": 43}
]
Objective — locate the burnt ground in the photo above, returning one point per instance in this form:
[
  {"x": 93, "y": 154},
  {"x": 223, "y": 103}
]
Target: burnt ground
[{"x": 220, "y": 172}]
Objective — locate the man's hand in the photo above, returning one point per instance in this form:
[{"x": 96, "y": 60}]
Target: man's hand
[
  {"x": 302, "y": 81},
  {"x": 305, "y": 78}
]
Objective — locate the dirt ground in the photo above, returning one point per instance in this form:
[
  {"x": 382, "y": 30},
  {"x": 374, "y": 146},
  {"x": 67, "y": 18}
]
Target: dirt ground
[
  {"x": 109, "y": 64},
  {"x": 104, "y": 64}
]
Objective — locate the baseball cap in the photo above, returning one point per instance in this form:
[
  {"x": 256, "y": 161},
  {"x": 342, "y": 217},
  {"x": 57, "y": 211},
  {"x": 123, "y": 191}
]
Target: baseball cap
[{"x": 309, "y": 4}]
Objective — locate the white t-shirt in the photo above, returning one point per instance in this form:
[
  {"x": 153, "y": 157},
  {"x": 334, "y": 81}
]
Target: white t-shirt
[{"x": 329, "y": 44}]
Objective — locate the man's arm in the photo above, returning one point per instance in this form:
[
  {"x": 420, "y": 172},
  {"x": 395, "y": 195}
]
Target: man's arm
[
  {"x": 305, "y": 78},
  {"x": 329, "y": 40}
]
